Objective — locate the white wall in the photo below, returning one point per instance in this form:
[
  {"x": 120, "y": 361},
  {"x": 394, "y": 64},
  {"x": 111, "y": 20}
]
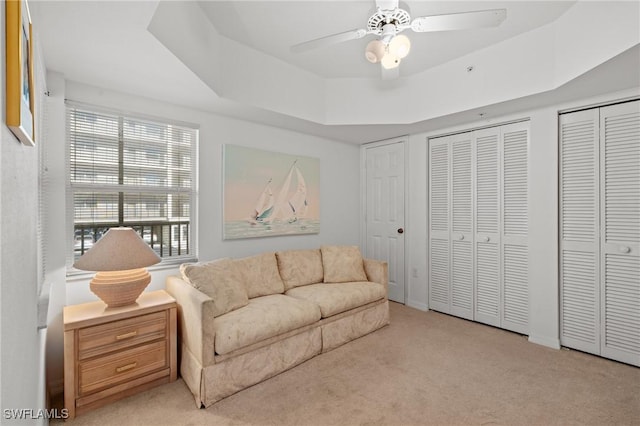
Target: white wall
[
  {"x": 19, "y": 336},
  {"x": 21, "y": 343},
  {"x": 339, "y": 189},
  {"x": 544, "y": 320}
]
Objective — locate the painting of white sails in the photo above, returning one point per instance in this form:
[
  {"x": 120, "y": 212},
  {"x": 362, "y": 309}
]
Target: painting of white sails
[{"x": 268, "y": 193}]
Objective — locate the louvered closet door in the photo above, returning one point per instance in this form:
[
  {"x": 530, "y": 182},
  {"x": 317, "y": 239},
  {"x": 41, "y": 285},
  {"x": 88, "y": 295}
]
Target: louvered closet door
[
  {"x": 579, "y": 231},
  {"x": 462, "y": 236},
  {"x": 487, "y": 242},
  {"x": 439, "y": 265},
  {"x": 620, "y": 239},
  {"x": 515, "y": 223}
]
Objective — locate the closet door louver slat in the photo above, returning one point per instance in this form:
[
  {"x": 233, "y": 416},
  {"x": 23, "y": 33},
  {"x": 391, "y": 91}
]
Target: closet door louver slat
[
  {"x": 600, "y": 231},
  {"x": 515, "y": 220},
  {"x": 487, "y": 262},
  {"x": 620, "y": 242},
  {"x": 516, "y": 289},
  {"x": 488, "y": 284},
  {"x": 579, "y": 270},
  {"x": 478, "y": 242},
  {"x": 439, "y": 264},
  {"x": 462, "y": 227},
  {"x": 579, "y": 295}
]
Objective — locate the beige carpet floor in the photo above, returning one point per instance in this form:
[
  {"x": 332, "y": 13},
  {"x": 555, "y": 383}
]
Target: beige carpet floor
[{"x": 425, "y": 368}]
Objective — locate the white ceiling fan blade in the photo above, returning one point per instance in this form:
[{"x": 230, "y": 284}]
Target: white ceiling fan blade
[
  {"x": 328, "y": 40},
  {"x": 387, "y": 4},
  {"x": 459, "y": 21}
]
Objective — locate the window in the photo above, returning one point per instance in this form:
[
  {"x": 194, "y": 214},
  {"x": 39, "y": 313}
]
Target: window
[{"x": 128, "y": 171}]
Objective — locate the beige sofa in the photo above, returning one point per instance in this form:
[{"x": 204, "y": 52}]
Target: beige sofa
[{"x": 242, "y": 321}]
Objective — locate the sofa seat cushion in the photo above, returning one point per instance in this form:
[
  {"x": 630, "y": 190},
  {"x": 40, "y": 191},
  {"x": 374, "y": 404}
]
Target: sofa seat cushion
[
  {"x": 334, "y": 298},
  {"x": 262, "y": 318}
]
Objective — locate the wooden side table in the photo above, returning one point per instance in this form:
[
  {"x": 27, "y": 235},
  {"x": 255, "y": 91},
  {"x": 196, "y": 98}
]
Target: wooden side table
[{"x": 111, "y": 353}]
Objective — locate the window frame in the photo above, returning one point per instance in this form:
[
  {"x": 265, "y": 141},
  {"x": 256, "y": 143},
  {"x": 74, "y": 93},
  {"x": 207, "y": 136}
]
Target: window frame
[{"x": 71, "y": 189}]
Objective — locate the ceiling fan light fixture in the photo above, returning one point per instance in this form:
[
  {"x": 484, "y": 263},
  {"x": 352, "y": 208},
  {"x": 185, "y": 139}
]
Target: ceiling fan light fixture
[
  {"x": 375, "y": 51},
  {"x": 390, "y": 61},
  {"x": 400, "y": 46}
]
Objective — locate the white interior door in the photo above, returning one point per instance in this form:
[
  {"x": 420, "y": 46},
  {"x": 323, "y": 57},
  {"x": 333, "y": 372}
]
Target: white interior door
[
  {"x": 515, "y": 227},
  {"x": 478, "y": 225},
  {"x": 488, "y": 308},
  {"x": 620, "y": 233},
  {"x": 600, "y": 231},
  {"x": 579, "y": 231},
  {"x": 384, "y": 239},
  {"x": 439, "y": 229},
  {"x": 462, "y": 218}
]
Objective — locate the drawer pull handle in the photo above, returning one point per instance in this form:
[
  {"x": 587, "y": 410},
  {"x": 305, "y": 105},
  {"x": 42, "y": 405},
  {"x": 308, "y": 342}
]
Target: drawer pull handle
[
  {"x": 126, "y": 335},
  {"x": 126, "y": 367}
]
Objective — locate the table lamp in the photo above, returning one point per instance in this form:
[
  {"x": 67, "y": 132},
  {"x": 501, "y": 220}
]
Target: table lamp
[{"x": 120, "y": 257}]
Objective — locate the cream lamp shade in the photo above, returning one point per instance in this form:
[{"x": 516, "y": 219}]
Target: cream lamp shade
[
  {"x": 390, "y": 61},
  {"x": 374, "y": 51},
  {"x": 400, "y": 46},
  {"x": 120, "y": 257}
]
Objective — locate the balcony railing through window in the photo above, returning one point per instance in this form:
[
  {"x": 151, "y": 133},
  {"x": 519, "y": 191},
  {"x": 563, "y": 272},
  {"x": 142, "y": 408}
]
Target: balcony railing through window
[{"x": 167, "y": 238}]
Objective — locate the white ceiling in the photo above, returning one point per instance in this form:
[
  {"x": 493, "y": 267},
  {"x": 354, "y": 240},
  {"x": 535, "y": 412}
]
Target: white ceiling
[
  {"x": 107, "y": 44},
  {"x": 273, "y": 26}
]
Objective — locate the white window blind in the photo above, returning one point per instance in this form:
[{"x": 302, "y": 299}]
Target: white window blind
[{"x": 127, "y": 171}]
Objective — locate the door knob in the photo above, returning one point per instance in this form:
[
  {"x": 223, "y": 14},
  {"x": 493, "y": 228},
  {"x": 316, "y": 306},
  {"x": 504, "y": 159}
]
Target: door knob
[
  {"x": 461, "y": 237},
  {"x": 400, "y": 230},
  {"x": 486, "y": 239},
  {"x": 624, "y": 249}
]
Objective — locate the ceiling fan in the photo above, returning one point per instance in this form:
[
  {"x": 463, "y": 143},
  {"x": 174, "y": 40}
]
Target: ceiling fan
[{"x": 389, "y": 20}]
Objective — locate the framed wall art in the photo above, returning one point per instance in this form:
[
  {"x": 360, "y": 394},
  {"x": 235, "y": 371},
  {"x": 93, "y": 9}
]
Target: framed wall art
[
  {"x": 19, "y": 71},
  {"x": 268, "y": 193}
]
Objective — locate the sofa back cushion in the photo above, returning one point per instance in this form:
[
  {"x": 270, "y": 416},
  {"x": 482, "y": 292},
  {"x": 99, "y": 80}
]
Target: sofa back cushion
[
  {"x": 219, "y": 280},
  {"x": 342, "y": 264},
  {"x": 260, "y": 274},
  {"x": 300, "y": 267}
]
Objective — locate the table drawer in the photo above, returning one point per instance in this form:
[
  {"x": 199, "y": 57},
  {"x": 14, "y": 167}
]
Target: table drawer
[
  {"x": 118, "y": 335},
  {"x": 106, "y": 371}
]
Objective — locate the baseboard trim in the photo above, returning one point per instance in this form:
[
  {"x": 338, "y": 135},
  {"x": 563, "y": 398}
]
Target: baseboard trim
[
  {"x": 417, "y": 305},
  {"x": 545, "y": 341}
]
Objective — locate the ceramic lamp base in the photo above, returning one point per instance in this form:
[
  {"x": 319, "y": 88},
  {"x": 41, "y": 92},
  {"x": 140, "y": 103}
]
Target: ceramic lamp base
[{"x": 120, "y": 288}]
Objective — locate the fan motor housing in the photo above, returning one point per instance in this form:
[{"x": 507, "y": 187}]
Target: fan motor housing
[{"x": 398, "y": 17}]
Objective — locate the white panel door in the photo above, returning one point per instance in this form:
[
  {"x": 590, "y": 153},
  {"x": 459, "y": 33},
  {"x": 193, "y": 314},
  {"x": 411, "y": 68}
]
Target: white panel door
[
  {"x": 384, "y": 238},
  {"x": 579, "y": 231},
  {"x": 620, "y": 239},
  {"x": 515, "y": 224},
  {"x": 487, "y": 260},
  {"x": 462, "y": 218},
  {"x": 439, "y": 230}
]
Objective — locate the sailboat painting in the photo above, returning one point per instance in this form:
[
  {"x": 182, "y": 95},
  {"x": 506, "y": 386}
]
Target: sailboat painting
[{"x": 268, "y": 193}]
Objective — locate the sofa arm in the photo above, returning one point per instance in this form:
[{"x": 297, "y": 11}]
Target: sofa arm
[
  {"x": 377, "y": 271},
  {"x": 195, "y": 319}
]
